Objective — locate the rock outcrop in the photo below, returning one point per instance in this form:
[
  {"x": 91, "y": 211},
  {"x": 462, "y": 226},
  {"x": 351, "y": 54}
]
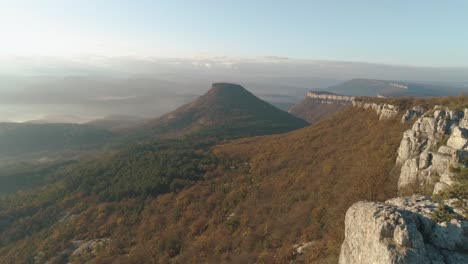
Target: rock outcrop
[
  {"x": 90, "y": 247},
  {"x": 401, "y": 231},
  {"x": 326, "y": 97},
  {"x": 78, "y": 250},
  {"x": 404, "y": 229},
  {"x": 299, "y": 250},
  {"x": 437, "y": 141},
  {"x": 319, "y": 105},
  {"x": 385, "y": 111},
  {"x": 412, "y": 113}
]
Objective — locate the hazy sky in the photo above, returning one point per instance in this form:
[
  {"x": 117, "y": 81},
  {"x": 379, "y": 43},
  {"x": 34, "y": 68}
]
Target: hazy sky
[
  {"x": 418, "y": 32},
  {"x": 77, "y": 60}
]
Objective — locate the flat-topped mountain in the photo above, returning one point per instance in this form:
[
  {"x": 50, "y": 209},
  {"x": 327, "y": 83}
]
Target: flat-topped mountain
[
  {"x": 225, "y": 109},
  {"x": 319, "y": 105}
]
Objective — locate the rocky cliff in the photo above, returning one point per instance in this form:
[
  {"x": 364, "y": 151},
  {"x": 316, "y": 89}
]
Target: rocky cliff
[
  {"x": 437, "y": 141},
  {"x": 401, "y": 230},
  {"x": 384, "y": 111},
  {"x": 319, "y": 105},
  {"x": 327, "y": 97},
  {"x": 416, "y": 229}
]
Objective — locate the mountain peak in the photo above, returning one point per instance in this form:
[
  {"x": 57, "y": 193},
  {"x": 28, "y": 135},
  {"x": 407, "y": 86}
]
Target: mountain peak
[
  {"x": 226, "y": 107},
  {"x": 227, "y": 90}
]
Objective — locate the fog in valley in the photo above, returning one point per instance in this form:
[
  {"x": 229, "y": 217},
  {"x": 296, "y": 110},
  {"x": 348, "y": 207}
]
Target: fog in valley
[{"x": 45, "y": 89}]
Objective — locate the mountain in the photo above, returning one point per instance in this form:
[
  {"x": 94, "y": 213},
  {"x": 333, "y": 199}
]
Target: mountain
[
  {"x": 184, "y": 201},
  {"x": 381, "y": 88},
  {"x": 269, "y": 199},
  {"x": 226, "y": 109},
  {"x": 319, "y": 105}
]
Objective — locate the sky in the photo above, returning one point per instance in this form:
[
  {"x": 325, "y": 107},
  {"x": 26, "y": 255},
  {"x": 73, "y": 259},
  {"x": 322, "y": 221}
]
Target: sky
[
  {"x": 77, "y": 60},
  {"x": 420, "y": 33}
]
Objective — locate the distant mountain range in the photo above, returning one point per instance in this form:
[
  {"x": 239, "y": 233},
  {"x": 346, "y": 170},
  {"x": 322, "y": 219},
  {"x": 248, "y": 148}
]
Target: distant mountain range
[
  {"x": 383, "y": 88},
  {"x": 226, "y": 110},
  {"x": 320, "y": 104},
  {"x": 195, "y": 188}
]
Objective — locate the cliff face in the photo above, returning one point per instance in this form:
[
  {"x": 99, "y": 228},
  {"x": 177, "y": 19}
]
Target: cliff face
[
  {"x": 437, "y": 141},
  {"x": 410, "y": 229},
  {"x": 401, "y": 231},
  {"x": 385, "y": 111},
  {"x": 318, "y": 106},
  {"x": 331, "y": 97}
]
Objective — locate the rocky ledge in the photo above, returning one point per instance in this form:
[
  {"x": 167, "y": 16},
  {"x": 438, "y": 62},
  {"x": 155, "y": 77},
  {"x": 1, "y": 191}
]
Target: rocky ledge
[
  {"x": 437, "y": 142},
  {"x": 402, "y": 230},
  {"x": 385, "y": 111},
  {"x": 416, "y": 229},
  {"x": 330, "y": 98}
]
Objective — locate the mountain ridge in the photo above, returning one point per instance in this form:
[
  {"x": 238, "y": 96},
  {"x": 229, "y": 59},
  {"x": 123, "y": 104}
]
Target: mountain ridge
[{"x": 391, "y": 88}]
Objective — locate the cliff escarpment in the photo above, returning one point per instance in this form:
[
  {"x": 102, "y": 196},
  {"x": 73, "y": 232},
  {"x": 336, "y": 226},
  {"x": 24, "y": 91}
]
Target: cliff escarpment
[
  {"x": 319, "y": 105},
  {"x": 432, "y": 161}
]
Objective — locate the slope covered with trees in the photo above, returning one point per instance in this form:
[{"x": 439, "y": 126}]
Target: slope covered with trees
[
  {"x": 209, "y": 202},
  {"x": 27, "y": 138}
]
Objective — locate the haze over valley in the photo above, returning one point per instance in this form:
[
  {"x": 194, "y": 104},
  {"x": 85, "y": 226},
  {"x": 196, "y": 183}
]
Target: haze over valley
[
  {"x": 88, "y": 88},
  {"x": 282, "y": 132}
]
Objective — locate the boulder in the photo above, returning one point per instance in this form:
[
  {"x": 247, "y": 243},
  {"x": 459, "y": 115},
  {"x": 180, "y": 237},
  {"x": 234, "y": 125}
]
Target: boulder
[
  {"x": 401, "y": 231},
  {"x": 412, "y": 113},
  {"x": 464, "y": 122},
  {"x": 458, "y": 139}
]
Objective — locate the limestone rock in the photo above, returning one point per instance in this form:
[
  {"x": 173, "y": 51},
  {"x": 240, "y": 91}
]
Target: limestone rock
[
  {"x": 412, "y": 113},
  {"x": 89, "y": 247},
  {"x": 299, "y": 250},
  {"x": 436, "y": 141},
  {"x": 401, "y": 231},
  {"x": 385, "y": 111},
  {"x": 330, "y": 97},
  {"x": 458, "y": 139},
  {"x": 464, "y": 121}
]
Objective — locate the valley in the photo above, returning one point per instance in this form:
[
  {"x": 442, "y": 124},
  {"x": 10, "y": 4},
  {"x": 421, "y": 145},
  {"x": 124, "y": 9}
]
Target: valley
[{"x": 227, "y": 178}]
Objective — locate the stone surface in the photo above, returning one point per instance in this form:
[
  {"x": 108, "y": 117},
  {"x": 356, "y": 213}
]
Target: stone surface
[
  {"x": 458, "y": 139},
  {"x": 401, "y": 231},
  {"x": 88, "y": 247},
  {"x": 412, "y": 113},
  {"x": 299, "y": 250},
  {"x": 385, "y": 111},
  {"x": 436, "y": 141},
  {"x": 330, "y": 97}
]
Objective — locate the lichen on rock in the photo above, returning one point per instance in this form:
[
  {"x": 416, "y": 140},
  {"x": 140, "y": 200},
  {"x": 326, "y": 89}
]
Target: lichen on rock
[
  {"x": 401, "y": 230},
  {"x": 437, "y": 141}
]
